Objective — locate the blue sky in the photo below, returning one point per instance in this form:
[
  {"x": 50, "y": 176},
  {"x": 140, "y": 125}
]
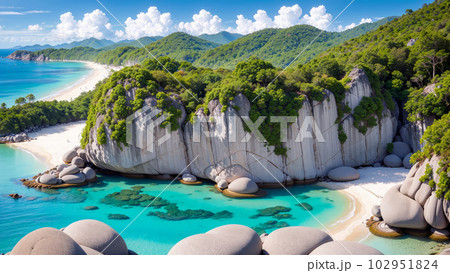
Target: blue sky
[{"x": 50, "y": 21}]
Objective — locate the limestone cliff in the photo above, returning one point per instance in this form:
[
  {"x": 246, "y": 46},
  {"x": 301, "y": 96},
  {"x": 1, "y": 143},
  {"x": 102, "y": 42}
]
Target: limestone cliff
[
  {"x": 27, "y": 56},
  {"x": 226, "y": 151}
]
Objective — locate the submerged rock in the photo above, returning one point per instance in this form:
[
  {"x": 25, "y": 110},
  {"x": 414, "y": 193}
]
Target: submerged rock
[
  {"x": 47, "y": 241},
  {"x": 173, "y": 213},
  {"x": 224, "y": 214},
  {"x": 305, "y": 206},
  {"x": 118, "y": 217},
  {"x": 271, "y": 211},
  {"x": 343, "y": 174},
  {"x": 90, "y": 208}
]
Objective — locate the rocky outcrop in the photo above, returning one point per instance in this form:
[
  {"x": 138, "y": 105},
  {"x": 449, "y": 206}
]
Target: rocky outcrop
[
  {"x": 27, "y": 56},
  {"x": 22, "y": 137},
  {"x": 217, "y": 147}
]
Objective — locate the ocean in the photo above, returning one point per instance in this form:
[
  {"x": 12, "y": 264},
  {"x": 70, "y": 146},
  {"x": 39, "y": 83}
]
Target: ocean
[{"x": 20, "y": 78}]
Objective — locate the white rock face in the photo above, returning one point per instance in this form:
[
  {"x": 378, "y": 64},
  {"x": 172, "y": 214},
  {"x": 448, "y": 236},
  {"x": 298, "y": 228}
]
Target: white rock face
[{"x": 218, "y": 148}]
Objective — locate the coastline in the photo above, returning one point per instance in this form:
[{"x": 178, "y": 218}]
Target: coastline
[
  {"x": 98, "y": 72},
  {"x": 49, "y": 144},
  {"x": 363, "y": 194}
]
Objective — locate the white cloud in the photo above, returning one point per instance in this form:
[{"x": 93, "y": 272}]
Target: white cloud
[
  {"x": 23, "y": 12},
  {"x": 1, "y": 27},
  {"x": 203, "y": 22},
  {"x": 94, "y": 24},
  {"x": 317, "y": 17},
  {"x": 151, "y": 23},
  {"x": 287, "y": 17},
  {"x": 352, "y": 25},
  {"x": 36, "y": 27}
]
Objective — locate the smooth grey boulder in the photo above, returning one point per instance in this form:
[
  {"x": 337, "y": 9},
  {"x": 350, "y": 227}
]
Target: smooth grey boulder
[
  {"x": 82, "y": 153},
  {"x": 345, "y": 248},
  {"x": 406, "y": 162},
  {"x": 78, "y": 161},
  {"x": 68, "y": 156},
  {"x": 189, "y": 177},
  {"x": 89, "y": 173},
  {"x": 243, "y": 185},
  {"x": 90, "y": 251},
  {"x": 401, "y": 149},
  {"x": 47, "y": 241},
  {"x": 76, "y": 148},
  {"x": 423, "y": 194},
  {"x": 342, "y": 174},
  {"x": 410, "y": 187},
  {"x": 98, "y": 236},
  {"x": 72, "y": 169},
  {"x": 376, "y": 211},
  {"x": 401, "y": 211},
  {"x": 434, "y": 212},
  {"x": 48, "y": 179},
  {"x": 392, "y": 161},
  {"x": 61, "y": 167},
  {"x": 222, "y": 184},
  {"x": 77, "y": 178},
  {"x": 294, "y": 241},
  {"x": 446, "y": 208},
  {"x": 224, "y": 240}
]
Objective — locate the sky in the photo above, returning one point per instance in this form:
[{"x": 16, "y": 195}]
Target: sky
[{"x": 56, "y": 21}]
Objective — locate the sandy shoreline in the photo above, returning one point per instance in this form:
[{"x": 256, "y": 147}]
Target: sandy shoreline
[
  {"x": 87, "y": 83},
  {"x": 363, "y": 194}
]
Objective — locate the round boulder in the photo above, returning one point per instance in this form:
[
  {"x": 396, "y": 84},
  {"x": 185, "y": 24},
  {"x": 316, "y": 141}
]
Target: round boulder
[
  {"x": 89, "y": 173},
  {"x": 90, "y": 251},
  {"x": 77, "y": 178},
  {"x": 189, "y": 177},
  {"x": 97, "y": 236},
  {"x": 82, "y": 153},
  {"x": 224, "y": 240},
  {"x": 61, "y": 167},
  {"x": 72, "y": 169},
  {"x": 401, "y": 211},
  {"x": 48, "y": 179},
  {"x": 47, "y": 241},
  {"x": 78, "y": 161},
  {"x": 294, "y": 241},
  {"x": 68, "y": 156},
  {"x": 406, "y": 162},
  {"x": 434, "y": 212},
  {"x": 222, "y": 184},
  {"x": 401, "y": 149},
  {"x": 345, "y": 248},
  {"x": 393, "y": 161},
  {"x": 376, "y": 211},
  {"x": 243, "y": 185},
  {"x": 343, "y": 174}
]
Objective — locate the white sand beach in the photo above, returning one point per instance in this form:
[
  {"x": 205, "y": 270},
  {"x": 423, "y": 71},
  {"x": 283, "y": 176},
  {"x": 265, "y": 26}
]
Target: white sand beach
[
  {"x": 87, "y": 83},
  {"x": 364, "y": 193},
  {"x": 52, "y": 142}
]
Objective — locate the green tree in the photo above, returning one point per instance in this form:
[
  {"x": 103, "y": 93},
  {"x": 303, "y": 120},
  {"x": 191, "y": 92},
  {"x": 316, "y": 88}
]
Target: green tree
[{"x": 30, "y": 98}]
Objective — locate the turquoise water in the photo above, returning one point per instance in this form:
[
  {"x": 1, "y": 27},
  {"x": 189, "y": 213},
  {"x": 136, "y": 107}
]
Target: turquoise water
[
  {"x": 20, "y": 78},
  {"x": 148, "y": 234}
]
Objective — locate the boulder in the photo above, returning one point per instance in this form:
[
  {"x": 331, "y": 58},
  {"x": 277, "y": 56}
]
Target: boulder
[
  {"x": 78, "y": 161},
  {"x": 222, "y": 184},
  {"x": 48, "y": 179},
  {"x": 410, "y": 187},
  {"x": 423, "y": 194},
  {"x": 224, "y": 240},
  {"x": 189, "y": 177},
  {"x": 89, "y": 173},
  {"x": 68, "y": 156},
  {"x": 345, "y": 248},
  {"x": 72, "y": 169},
  {"x": 401, "y": 211},
  {"x": 406, "y": 162},
  {"x": 294, "y": 241},
  {"x": 47, "y": 241},
  {"x": 98, "y": 236},
  {"x": 343, "y": 174},
  {"x": 243, "y": 185},
  {"x": 376, "y": 211},
  {"x": 393, "y": 161},
  {"x": 90, "y": 251},
  {"x": 77, "y": 178},
  {"x": 61, "y": 167},
  {"x": 401, "y": 149},
  {"x": 434, "y": 212},
  {"x": 82, "y": 153}
]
